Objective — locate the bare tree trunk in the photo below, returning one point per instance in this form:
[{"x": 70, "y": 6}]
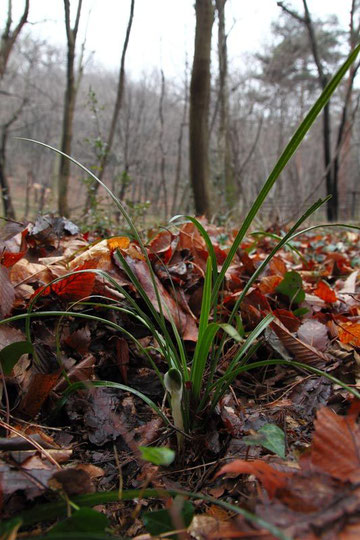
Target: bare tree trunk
[
  {"x": 331, "y": 168},
  {"x": 29, "y": 183},
  {"x": 117, "y": 107},
  {"x": 4, "y": 184},
  {"x": 224, "y": 135},
  {"x": 9, "y": 211},
  {"x": 344, "y": 135},
  {"x": 69, "y": 108},
  {"x": 161, "y": 146},
  {"x": 199, "y": 108},
  {"x": 180, "y": 143},
  {"x": 9, "y": 36},
  {"x": 331, "y": 179}
]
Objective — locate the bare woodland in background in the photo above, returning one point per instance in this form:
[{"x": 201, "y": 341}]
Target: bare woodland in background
[{"x": 205, "y": 145}]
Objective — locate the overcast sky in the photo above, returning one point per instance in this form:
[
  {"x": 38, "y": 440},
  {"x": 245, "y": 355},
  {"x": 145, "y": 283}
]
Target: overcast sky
[{"x": 163, "y": 30}]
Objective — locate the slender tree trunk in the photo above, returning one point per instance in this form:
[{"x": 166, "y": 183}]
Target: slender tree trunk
[
  {"x": 161, "y": 146},
  {"x": 69, "y": 108},
  {"x": 331, "y": 180},
  {"x": 9, "y": 211},
  {"x": 224, "y": 135},
  {"x": 4, "y": 184},
  {"x": 344, "y": 135},
  {"x": 8, "y": 37},
  {"x": 199, "y": 108},
  {"x": 117, "y": 107},
  {"x": 180, "y": 143}
]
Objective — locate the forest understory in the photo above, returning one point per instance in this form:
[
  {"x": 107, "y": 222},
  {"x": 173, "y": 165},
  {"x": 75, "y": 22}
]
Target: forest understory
[{"x": 277, "y": 457}]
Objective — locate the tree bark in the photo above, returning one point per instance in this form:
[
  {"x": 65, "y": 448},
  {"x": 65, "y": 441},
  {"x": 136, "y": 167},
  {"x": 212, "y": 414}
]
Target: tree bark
[
  {"x": 224, "y": 146},
  {"x": 199, "y": 108},
  {"x": 161, "y": 146},
  {"x": 9, "y": 36},
  {"x": 180, "y": 143},
  {"x": 9, "y": 211},
  {"x": 117, "y": 107},
  {"x": 331, "y": 178},
  {"x": 69, "y": 108}
]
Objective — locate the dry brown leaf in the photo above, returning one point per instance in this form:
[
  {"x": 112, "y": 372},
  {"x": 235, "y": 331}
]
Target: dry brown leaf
[
  {"x": 336, "y": 445},
  {"x": 302, "y": 352},
  {"x": 271, "y": 479},
  {"x": 314, "y": 333},
  {"x": 7, "y": 293}
]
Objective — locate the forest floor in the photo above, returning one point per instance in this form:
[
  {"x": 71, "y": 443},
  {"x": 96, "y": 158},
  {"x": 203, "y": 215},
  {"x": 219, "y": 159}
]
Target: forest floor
[{"x": 283, "y": 443}]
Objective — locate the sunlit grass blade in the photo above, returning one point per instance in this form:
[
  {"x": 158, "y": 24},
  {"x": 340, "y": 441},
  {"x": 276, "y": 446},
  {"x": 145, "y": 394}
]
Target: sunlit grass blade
[{"x": 283, "y": 160}]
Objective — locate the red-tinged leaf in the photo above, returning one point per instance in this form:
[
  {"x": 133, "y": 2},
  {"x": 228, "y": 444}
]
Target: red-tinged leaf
[
  {"x": 250, "y": 315},
  {"x": 341, "y": 263},
  {"x": 288, "y": 319},
  {"x": 79, "y": 340},
  {"x": 302, "y": 352},
  {"x": 73, "y": 287},
  {"x": 325, "y": 292},
  {"x": 39, "y": 388},
  {"x": 76, "y": 286},
  {"x": 7, "y": 293},
  {"x": 271, "y": 479},
  {"x": 277, "y": 266},
  {"x": 350, "y": 333},
  {"x": 190, "y": 238},
  {"x": 233, "y": 278},
  {"x": 8, "y": 258},
  {"x": 336, "y": 445},
  {"x": 354, "y": 408},
  {"x": 220, "y": 254},
  {"x": 268, "y": 284},
  {"x": 163, "y": 245},
  {"x": 247, "y": 262}
]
